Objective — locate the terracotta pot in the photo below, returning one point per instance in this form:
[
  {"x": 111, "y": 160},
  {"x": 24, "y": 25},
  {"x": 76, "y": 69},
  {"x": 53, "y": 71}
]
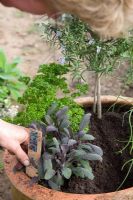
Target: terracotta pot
[{"x": 20, "y": 181}]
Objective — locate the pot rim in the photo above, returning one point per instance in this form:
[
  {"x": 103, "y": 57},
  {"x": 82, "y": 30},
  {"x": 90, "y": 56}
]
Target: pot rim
[
  {"x": 105, "y": 99},
  {"x": 21, "y": 181}
]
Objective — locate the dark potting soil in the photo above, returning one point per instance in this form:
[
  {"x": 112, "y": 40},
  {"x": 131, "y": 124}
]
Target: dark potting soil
[{"x": 108, "y": 175}]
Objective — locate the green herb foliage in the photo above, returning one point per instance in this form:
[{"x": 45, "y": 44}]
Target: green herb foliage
[
  {"x": 85, "y": 51},
  {"x": 82, "y": 48},
  {"x": 41, "y": 93},
  {"x": 11, "y": 85}
]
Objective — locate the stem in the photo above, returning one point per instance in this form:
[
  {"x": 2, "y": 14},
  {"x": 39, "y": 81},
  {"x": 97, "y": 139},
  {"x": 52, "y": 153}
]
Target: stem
[
  {"x": 129, "y": 170},
  {"x": 131, "y": 133},
  {"x": 95, "y": 94},
  {"x": 99, "y": 104}
]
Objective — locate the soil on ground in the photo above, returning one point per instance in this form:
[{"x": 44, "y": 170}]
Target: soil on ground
[
  {"x": 5, "y": 190},
  {"x": 109, "y": 132}
]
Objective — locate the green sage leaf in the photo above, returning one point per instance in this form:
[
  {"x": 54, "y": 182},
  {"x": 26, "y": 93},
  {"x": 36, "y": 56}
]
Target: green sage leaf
[{"x": 67, "y": 172}]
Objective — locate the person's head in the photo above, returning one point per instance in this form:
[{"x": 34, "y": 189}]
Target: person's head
[{"x": 107, "y": 17}]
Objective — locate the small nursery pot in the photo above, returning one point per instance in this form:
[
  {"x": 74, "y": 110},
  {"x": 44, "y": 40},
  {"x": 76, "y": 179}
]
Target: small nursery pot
[{"x": 21, "y": 190}]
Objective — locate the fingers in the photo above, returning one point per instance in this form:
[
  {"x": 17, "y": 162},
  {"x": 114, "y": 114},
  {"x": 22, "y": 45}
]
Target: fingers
[
  {"x": 21, "y": 155},
  {"x": 11, "y": 136}
]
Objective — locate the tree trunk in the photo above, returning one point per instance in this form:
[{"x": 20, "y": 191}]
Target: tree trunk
[
  {"x": 99, "y": 104},
  {"x": 95, "y": 94}
]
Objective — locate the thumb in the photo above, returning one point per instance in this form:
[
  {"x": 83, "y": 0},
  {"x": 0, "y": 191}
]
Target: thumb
[{"x": 21, "y": 155}]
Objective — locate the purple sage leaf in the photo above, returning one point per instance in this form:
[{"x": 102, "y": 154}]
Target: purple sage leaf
[
  {"x": 85, "y": 121},
  {"x": 51, "y": 128},
  {"x": 97, "y": 149},
  {"x": 72, "y": 142},
  {"x": 81, "y": 134},
  {"x": 62, "y": 112}
]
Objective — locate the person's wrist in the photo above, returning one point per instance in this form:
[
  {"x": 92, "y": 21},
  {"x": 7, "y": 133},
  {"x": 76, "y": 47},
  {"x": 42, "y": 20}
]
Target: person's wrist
[
  {"x": 1, "y": 124},
  {"x": 1, "y": 135}
]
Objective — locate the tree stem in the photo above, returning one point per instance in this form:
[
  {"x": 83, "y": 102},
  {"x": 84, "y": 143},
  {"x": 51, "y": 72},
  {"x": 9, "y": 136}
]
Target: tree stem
[
  {"x": 95, "y": 94},
  {"x": 99, "y": 104}
]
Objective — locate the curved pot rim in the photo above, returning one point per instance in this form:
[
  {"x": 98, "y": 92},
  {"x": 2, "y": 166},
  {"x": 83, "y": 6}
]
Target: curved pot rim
[{"x": 37, "y": 192}]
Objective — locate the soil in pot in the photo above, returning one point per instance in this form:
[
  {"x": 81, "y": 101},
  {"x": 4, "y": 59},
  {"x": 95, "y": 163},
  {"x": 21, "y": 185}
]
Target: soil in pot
[{"x": 108, "y": 175}]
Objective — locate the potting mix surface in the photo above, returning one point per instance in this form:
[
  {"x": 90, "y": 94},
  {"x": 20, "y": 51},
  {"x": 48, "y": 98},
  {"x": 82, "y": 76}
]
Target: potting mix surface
[{"x": 109, "y": 132}]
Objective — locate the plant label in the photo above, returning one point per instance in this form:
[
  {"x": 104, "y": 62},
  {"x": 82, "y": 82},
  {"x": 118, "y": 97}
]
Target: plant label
[{"x": 34, "y": 152}]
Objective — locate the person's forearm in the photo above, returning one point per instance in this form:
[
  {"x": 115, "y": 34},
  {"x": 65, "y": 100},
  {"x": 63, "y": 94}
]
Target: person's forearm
[
  {"x": 0, "y": 136},
  {"x": 32, "y": 6}
]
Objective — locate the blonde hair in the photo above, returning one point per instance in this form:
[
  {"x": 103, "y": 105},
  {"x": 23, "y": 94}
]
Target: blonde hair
[{"x": 109, "y": 18}]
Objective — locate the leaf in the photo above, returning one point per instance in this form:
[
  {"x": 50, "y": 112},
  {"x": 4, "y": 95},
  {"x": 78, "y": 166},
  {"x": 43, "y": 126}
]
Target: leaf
[
  {"x": 54, "y": 150},
  {"x": 88, "y": 174},
  {"x": 97, "y": 149},
  {"x": 52, "y": 109},
  {"x": 87, "y": 137},
  {"x": 61, "y": 118},
  {"x": 65, "y": 140},
  {"x": 7, "y": 77},
  {"x": 76, "y": 154},
  {"x": 42, "y": 127},
  {"x": 64, "y": 148},
  {"x": 81, "y": 134},
  {"x": 85, "y": 121},
  {"x": 15, "y": 62},
  {"x": 83, "y": 173},
  {"x": 85, "y": 147},
  {"x": 59, "y": 179},
  {"x": 40, "y": 168},
  {"x": 79, "y": 153},
  {"x": 92, "y": 156},
  {"x": 51, "y": 128},
  {"x": 67, "y": 172},
  {"x": 49, "y": 174},
  {"x": 48, "y": 164},
  {"x": 56, "y": 142},
  {"x": 62, "y": 112},
  {"x": 46, "y": 156},
  {"x": 65, "y": 124},
  {"x": 33, "y": 125},
  {"x": 71, "y": 142},
  {"x": 53, "y": 185},
  {"x": 15, "y": 94},
  {"x": 13, "y": 70},
  {"x": 48, "y": 119},
  {"x": 17, "y": 85},
  {"x": 86, "y": 164},
  {"x": 125, "y": 54},
  {"x": 66, "y": 131},
  {"x": 2, "y": 59}
]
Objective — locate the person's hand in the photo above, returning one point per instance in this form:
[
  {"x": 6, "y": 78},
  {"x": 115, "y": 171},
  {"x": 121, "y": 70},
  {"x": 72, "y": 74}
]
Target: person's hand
[
  {"x": 11, "y": 136},
  {"x": 32, "y": 6}
]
